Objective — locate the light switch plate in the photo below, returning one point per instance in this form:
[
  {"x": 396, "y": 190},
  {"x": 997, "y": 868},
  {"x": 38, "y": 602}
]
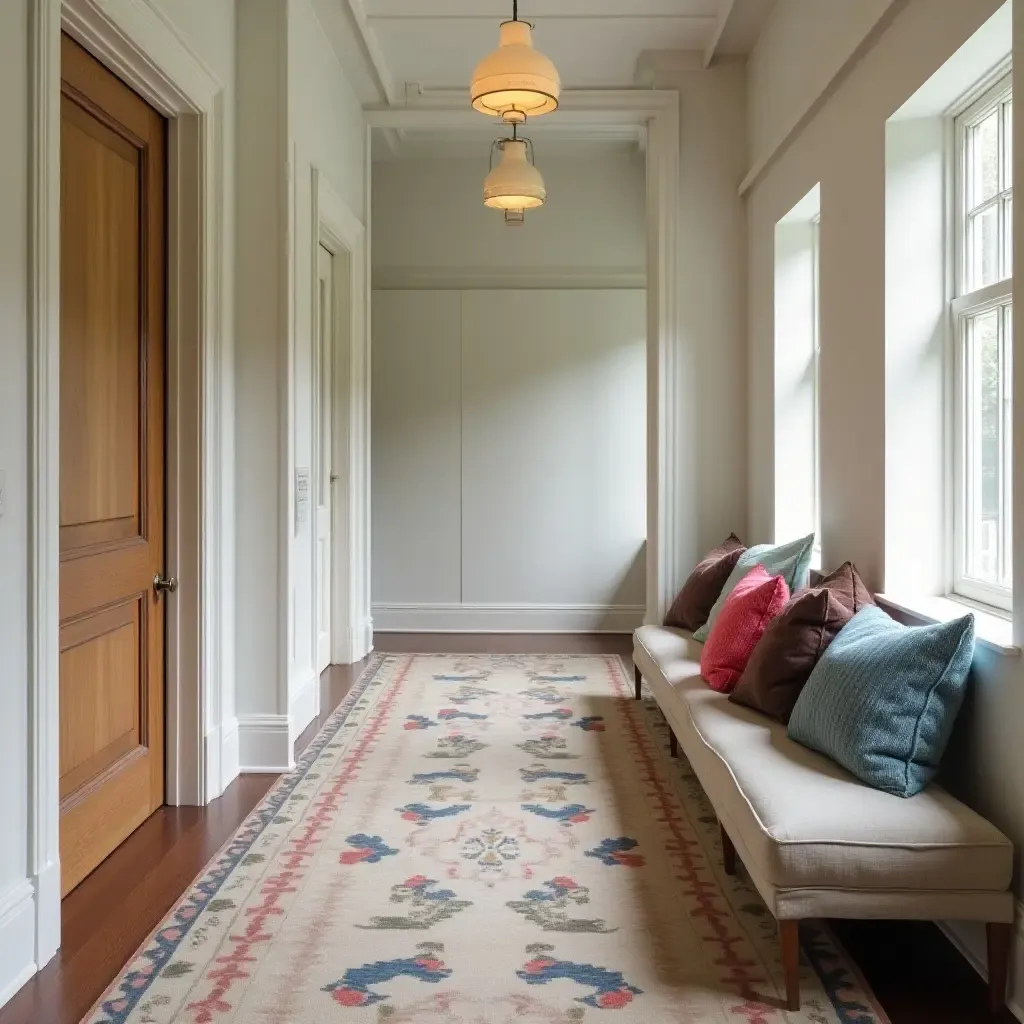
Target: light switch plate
[{"x": 301, "y": 496}]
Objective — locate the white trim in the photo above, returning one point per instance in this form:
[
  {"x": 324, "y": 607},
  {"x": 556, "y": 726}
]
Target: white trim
[
  {"x": 134, "y": 39},
  {"x": 265, "y": 744},
  {"x": 370, "y": 45},
  {"x": 991, "y": 630},
  {"x": 970, "y": 941},
  {"x": 44, "y": 483},
  {"x": 507, "y": 618},
  {"x": 337, "y": 228},
  {"x": 658, "y": 112},
  {"x": 304, "y": 706},
  {"x": 725, "y": 9},
  {"x": 512, "y": 278},
  {"x": 984, "y": 298},
  {"x": 18, "y": 912},
  {"x": 978, "y": 103}
]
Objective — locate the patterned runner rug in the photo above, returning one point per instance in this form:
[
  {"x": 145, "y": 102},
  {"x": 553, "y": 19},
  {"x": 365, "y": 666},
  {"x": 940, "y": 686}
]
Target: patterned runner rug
[{"x": 480, "y": 839}]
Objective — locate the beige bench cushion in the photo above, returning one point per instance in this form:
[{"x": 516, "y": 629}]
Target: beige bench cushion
[{"x": 806, "y": 821}]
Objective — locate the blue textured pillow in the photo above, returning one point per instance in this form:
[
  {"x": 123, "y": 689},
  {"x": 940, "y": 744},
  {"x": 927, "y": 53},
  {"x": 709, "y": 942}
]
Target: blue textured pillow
[
  {"x": 791, "y": 561},
  {"x": 883, "y": 698}
]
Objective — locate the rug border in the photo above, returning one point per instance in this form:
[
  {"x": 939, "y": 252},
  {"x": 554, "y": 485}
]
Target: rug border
[
  {"x": 335, "y": 720},
  {"x": 823, "y": 923}
]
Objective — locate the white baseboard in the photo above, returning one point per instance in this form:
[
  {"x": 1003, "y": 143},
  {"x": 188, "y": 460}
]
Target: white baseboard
[
  {"x": 17, "y": 937},
  {"x": 229, "y": 752},
  {"x": 47, "y": 909},
  {"x": 264, "y": 744},
  {"x": 969, "y": 938},
  {"x": 221, "y": 758},
  {"x": 353, "y": 644},
  {"x": 507, "y": 618},
  {"x": 304, "y": 705}
]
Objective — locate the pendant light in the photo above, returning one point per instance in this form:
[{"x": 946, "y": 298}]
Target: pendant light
[
  {"x": 515, "y": 184},
  {"x": 515, "y": 81}
]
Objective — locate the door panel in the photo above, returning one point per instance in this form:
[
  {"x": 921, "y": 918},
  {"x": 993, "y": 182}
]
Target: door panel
[
  {"x": 112, "y": 445},
  {"x": 324, "y": 426}
]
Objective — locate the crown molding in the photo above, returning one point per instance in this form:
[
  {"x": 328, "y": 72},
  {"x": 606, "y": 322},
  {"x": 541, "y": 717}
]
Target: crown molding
[
  {"x": 449, "y": 108},
  {"x": 507, "y": 279}
]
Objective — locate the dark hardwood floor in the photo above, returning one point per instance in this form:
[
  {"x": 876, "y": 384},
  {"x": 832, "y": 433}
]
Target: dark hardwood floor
[{"x": 916, "y": 973}]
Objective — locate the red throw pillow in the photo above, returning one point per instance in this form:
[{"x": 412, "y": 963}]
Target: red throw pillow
[{"x": 744, "y": 617}]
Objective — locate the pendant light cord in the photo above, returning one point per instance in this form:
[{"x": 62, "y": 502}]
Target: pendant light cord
[{"x": 515, "y": 10}]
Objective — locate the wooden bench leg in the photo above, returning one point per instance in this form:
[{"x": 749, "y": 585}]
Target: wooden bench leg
[
  {"x": 639, "y": 681},
  {"x": 789, "y": 937},
  {"x": 673, "y": 743},
  {"x": 1000, "y": 943},
  {"x": 728, "y": 851}
]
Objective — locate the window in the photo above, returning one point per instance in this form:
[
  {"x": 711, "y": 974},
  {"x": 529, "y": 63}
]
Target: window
[
  {"x": 797, "y": 501},
  {"x": 982, "y": 313}
]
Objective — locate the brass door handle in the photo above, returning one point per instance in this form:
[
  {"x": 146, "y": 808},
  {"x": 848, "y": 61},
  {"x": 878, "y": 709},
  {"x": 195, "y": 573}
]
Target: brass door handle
[{"x": 160, "y": 585}]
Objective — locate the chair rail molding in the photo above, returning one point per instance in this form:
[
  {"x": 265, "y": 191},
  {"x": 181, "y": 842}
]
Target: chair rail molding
[
  {"x": 657, "y": 111},
  {"x": 137, "y": 42}
]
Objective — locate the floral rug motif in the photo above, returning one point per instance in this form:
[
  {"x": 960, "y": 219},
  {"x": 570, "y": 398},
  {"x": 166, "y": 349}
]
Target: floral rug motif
[{"x": 481, "y": 839}]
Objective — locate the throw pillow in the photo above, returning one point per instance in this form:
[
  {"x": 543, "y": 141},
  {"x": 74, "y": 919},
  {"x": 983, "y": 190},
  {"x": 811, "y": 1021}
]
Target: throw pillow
[
  {"x": 792, "y": 644},
  {"x": 693, "y": 603},
  {"x": 753, "y": 603},
  {"x": 883, "y": 698},
  {"x": 792, "y": 561}
]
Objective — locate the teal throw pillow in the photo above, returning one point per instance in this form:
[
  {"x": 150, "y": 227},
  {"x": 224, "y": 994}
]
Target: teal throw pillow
[
  {"x": 883, "y": 698},
  {"x": 791, "y": 561}
]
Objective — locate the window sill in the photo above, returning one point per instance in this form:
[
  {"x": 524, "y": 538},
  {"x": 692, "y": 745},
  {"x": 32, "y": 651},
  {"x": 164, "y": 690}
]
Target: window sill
[{"x": 991, "y": 630}]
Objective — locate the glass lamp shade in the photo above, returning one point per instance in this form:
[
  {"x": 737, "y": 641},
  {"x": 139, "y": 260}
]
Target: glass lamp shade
[
  {"x": 515, "y": 81},
  {"x": 515, "y": 184}
]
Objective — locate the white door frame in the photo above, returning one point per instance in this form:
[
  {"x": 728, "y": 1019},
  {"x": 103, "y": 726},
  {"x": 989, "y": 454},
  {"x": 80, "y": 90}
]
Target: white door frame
[
  {"x": 339, "y": 230},
  {"x": 658, "y": 112},
  {"x": 134, "y": 39},
  {"x": 328, "y": 344}
]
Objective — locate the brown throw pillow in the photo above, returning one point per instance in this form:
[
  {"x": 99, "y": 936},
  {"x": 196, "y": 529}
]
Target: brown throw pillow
[
  {"x": 791, "y": 646},
  {"x": 694, "y": 602}
]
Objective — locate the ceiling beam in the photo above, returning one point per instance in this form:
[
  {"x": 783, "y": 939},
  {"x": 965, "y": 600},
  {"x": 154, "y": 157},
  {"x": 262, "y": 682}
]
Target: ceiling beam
[
  {"x": 725, "y": 10},
  {"x": 541, "y": 10},
  {"x": 371, "y": 50}
]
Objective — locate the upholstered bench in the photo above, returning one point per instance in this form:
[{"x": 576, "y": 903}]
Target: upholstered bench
[{"x": 817, "y": 842}]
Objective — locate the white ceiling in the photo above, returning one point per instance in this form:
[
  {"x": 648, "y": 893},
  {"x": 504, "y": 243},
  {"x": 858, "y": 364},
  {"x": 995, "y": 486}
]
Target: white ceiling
[{"x": 435, "y": 44}]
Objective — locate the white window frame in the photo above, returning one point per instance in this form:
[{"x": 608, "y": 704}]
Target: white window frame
[
  {"x": 964, "y": 306},
  {"x": 816, "y": 384}
]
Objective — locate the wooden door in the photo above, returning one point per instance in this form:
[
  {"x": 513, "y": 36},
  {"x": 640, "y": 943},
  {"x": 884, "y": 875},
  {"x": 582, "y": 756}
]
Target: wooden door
[
  {"x": 112, "y": 442},
  {"x": 323, "y": 389}
]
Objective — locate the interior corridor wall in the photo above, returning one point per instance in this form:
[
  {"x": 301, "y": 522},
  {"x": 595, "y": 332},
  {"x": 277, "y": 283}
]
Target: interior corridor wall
[
  {"x": 509, "y": 365},
  {"x": 843, "y": 147},
  {"x": 297, "y": 112},
  {"x": 209, "y": 31}
]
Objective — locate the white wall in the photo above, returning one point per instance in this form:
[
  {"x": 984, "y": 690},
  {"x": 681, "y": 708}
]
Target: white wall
[
  {"x": 845, "y": 147},
  {"x": 297, "y": 111},
  {"x": 430, "y": 213},
  {"x": 711, "y": 417},
  {"x": 508, "y": 420},
  {"x": 326, "y": 132},
  {"x": 207, "y": 29},
  {"x": 804, "y": 45}
]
